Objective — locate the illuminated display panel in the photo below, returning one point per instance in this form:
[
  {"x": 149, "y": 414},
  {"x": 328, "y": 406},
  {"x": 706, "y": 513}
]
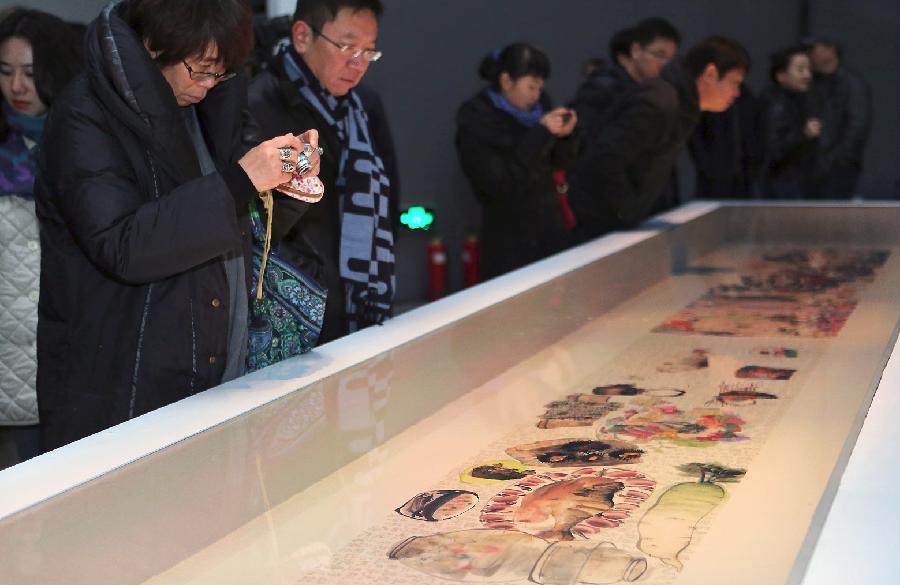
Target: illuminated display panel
[{"x": 670, "y": 413}]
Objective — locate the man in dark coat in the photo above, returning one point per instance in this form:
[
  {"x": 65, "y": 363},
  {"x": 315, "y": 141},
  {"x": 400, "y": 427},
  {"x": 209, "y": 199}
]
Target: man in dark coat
[
  {"x": 846, "y": 114},
  {"x": 636, "y": 54},
  {"x": 312, "y": 82},
  {"x": 142, "y": 194},
  {"x": 727, "y": 151},
  {"x": 624, "y": 168}
]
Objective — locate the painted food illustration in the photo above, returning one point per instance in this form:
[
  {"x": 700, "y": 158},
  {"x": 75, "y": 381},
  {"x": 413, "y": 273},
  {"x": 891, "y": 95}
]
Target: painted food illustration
[
  {"x": 474, "y": 556},
  {"x": 507, "y": 556},
  {"x": 668, "y": 527},
  {"x": 632, "y": 390},
  {"x": 494, "y": 472},
  {"x": 795, "y": 293},
  {"x": 764, "y": 373},
  {"x": 438, "y": 505},
  {"x": 779, "y": 352},
  {"x": 739, "y": 395},
  {"x": 576, "y": 453},
  {"x": 560, "y": 505},
  {"x": 696, "y": 360},
  {"x": 577, "y": 410},
  {"x": 698, "y": 427}
]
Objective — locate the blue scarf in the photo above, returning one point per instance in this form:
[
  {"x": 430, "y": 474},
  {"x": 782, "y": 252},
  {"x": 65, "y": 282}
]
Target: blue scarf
[
  {"x": 363, "y": 188},
  {"x": 527, "y": 119},
  {"x": 18, "y": 151}
]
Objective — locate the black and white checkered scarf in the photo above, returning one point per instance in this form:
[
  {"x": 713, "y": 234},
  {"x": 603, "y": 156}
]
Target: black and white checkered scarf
[{"x": 363, "y": 188}]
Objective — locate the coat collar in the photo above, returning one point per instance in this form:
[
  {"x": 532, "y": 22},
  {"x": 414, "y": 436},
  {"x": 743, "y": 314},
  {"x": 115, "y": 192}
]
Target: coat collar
[
  {"x": 677, "y": 74},
  {"x": 131, "y": 87}
]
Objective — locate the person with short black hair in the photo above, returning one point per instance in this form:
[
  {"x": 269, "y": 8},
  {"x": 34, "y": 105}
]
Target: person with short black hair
[
  {"x": 636, "y": 53},
  {"x": 626, "y": 165},
  {"x": 846, "y": 113},
  {"x": 143, "y": 189},
  {"x": 509, "y": 141},
  {"x": 791, "y": 130},
  {"x": 346, "y": 243}
]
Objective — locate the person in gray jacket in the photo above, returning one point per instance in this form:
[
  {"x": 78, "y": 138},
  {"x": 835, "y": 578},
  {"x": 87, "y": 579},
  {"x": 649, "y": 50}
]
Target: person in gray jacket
[{"x": 39, "y": 55}]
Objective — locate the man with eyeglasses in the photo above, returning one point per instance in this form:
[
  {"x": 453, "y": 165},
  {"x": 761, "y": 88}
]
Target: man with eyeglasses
[
  {"x": 622, "y": 173},
  {"x": 345, "y": 241},
  {"x": 636, "y": 53}
]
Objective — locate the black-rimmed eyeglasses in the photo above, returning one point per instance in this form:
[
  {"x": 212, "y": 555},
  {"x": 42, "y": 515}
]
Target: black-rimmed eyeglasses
[
  {"x": 208, "y": 75},
  {"x": 355, "y": 52}
]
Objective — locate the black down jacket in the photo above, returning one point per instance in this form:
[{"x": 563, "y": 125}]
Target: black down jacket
[
  {"x": 510, "y": 169},
  {"x": 597, "y": 96},
  {"x": 310, "y": 235},
  {"x": 133, "y": 312},
  {"x": 789, "y": 152},
  {"x": 626, "y": 166}
]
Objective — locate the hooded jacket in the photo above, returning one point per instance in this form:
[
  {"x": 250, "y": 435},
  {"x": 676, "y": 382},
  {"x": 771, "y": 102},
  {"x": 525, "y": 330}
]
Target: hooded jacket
[
  {"x": 627, "y": 163},
  {"x": 598, "y": 95},
  {"x": 133, "y": 313}
]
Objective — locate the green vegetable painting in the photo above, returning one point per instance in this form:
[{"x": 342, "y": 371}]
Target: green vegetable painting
[{"x": 667, "y": 528}]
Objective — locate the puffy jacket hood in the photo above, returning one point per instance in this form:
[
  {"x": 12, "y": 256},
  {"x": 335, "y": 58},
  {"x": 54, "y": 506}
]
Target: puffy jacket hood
[
  {"x": 129, "y": 84},
  {"x": 607, "y": 75}
]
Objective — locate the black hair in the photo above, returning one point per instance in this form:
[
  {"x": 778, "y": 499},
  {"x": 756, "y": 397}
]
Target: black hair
[
  {"x": 810, "y": 42},
  {"x": 316, "y": 13},
  {"x": 55, "y": 50},
  {"x": 655, "y": 27},
  {"x": 620, "y": 43},
  {"x": 780, "y": 60},
  {"x": 725, "y": 53},
  {"x": 590, "y": 66},
  {"x": 179, "y": 30},
  {"x": 517, "y": 60}
]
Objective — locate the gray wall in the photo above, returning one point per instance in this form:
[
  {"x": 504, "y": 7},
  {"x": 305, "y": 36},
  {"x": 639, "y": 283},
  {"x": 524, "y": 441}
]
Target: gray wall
[
  {"x": 432, "y": 50},
  {"x": 74, "y": 10}
]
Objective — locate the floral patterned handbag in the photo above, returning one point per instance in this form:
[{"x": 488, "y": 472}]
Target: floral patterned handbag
[{"x": 287, "y": 311}]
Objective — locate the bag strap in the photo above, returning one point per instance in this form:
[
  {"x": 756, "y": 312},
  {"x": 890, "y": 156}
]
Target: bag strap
[{"x": 269, "y": 205}]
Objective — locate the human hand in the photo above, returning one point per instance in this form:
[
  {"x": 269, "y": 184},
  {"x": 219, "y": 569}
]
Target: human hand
[
  {"x": 560, "y": 121},
  {"x": 265, "y": 164},
  {"x": 813, "y": 128}
]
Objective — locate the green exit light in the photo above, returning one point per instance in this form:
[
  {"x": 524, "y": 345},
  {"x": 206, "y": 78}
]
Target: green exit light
[{"x": 417, "y": 218}]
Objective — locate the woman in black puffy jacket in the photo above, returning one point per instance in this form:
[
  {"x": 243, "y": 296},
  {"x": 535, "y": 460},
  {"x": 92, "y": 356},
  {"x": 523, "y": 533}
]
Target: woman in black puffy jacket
[
  {"x": 142, "y": 191},
  {"x": 509, "y": 144},
  {"x": 791, "y": 129}
]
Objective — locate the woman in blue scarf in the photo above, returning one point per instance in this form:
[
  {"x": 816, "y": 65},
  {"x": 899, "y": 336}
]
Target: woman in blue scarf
[
  {"x": 39, "y": 55},
  {"x": 509, "y": 143}
]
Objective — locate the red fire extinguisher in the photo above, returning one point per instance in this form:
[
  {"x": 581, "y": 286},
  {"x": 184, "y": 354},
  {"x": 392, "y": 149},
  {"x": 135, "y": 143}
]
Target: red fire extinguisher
[
  {"x": 471, "y": 261},
  {"x": 437, "y": 269}
]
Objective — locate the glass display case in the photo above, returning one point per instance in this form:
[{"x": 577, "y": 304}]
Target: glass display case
[{"x": 674, "y": 404}]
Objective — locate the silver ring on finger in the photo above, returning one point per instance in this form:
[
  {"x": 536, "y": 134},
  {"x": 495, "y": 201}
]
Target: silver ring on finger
[
  {"x": 287, "y": 167},
  {"x": 308, "y": 149},
  {"x": 303, "y": 164},
  {"x": 285, "y": 153}
]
